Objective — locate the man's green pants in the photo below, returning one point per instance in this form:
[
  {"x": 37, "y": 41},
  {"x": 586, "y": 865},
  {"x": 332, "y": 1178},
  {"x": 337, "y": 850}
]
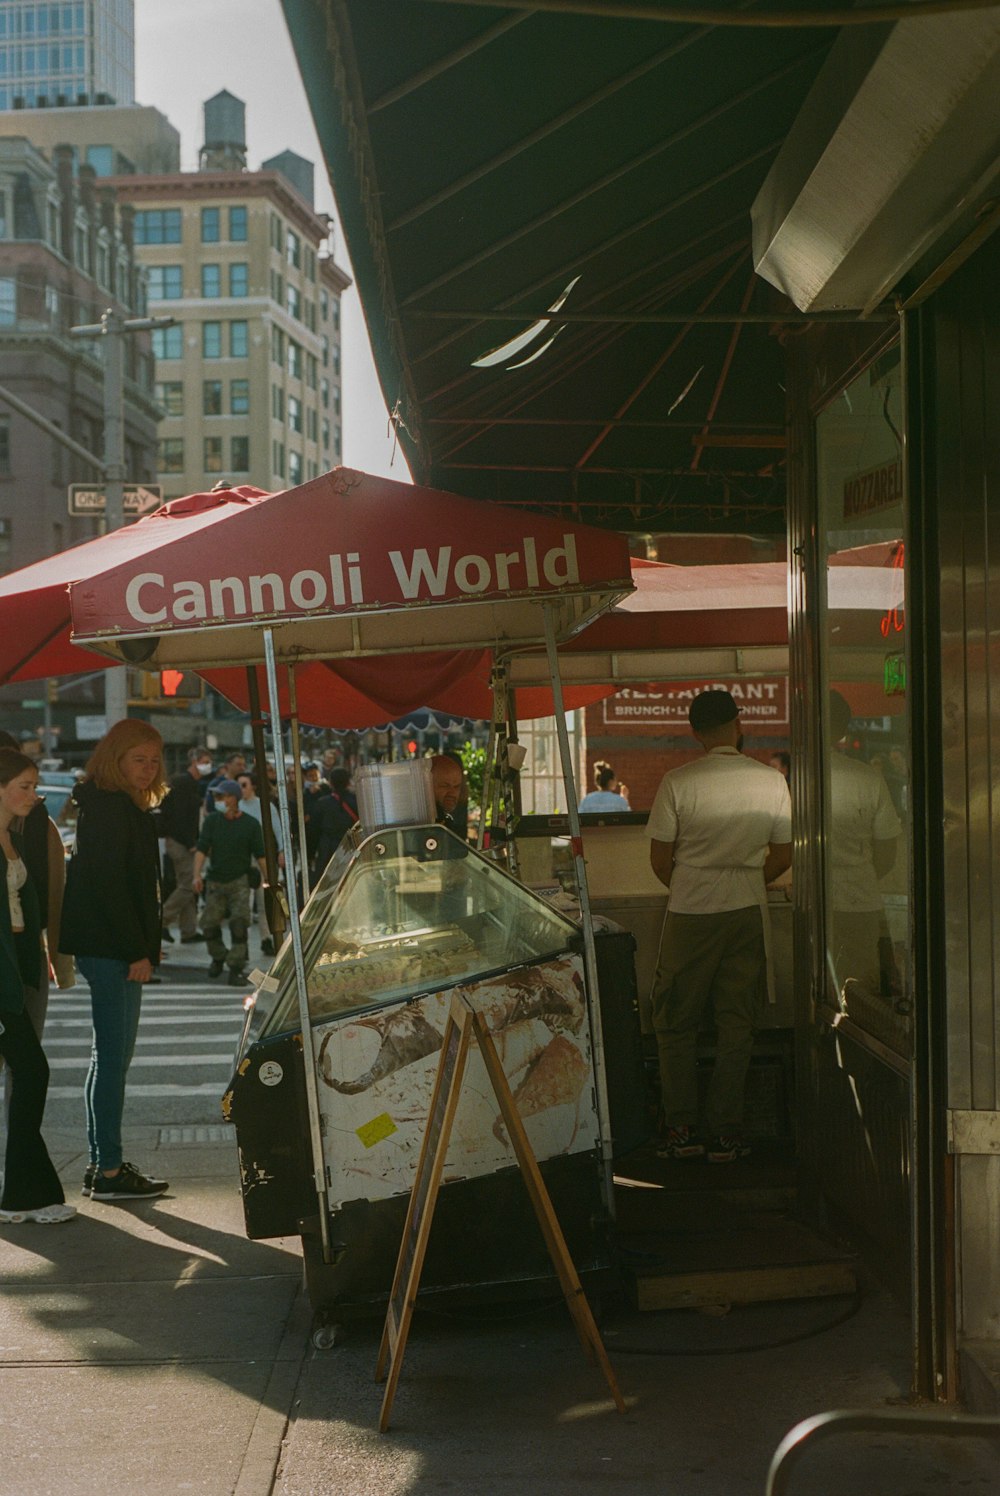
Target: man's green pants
[{"x": 711, "y": 967}]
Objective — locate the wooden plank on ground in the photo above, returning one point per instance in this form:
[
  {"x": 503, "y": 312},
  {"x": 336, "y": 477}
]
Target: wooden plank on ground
[{"x": 757, "y": 1285}]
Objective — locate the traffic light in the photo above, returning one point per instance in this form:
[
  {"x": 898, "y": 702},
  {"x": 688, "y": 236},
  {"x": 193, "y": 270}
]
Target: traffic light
[
  {"x": 164, "y": 688},
  {"x": 171, "y": 682}
]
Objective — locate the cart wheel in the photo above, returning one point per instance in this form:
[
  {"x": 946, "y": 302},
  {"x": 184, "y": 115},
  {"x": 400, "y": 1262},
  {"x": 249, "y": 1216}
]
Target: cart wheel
[{"x": 326, "y": 1333}]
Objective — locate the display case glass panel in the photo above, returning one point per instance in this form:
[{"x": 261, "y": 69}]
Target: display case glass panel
[{"x": 411, "y": 909}]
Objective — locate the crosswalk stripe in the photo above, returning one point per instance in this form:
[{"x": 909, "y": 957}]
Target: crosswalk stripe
[
  {"x": 148, "y": 1022},
  {"x": 223, "y": 1037},
  {"x": 69, "y": 1062},
  {"x": 136, "y": 1092}
]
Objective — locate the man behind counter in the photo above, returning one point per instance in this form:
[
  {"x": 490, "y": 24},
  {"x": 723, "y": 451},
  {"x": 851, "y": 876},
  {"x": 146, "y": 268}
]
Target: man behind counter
[{"x": 448, "y": 778}]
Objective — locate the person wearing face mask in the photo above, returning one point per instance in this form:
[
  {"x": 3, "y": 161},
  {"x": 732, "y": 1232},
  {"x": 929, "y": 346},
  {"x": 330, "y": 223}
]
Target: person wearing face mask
[
  {"x": 720, "y": 830},
  {"x": 230, "y": 842},
  {"x": 31, "y": 1188},
  {"x": 179, "y": 823},
  {"x": 112, "y": 921}
]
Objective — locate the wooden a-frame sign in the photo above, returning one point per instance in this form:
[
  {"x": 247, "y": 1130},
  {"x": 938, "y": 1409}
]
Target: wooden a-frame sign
[{"x": 465, "y": 1024}]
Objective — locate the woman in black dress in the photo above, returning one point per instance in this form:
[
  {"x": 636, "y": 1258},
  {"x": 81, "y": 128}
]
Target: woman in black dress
[{"x": 31, "y": 1190}]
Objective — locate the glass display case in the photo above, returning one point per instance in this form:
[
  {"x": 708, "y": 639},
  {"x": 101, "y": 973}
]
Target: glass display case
[{"x": 402, "y": 911}]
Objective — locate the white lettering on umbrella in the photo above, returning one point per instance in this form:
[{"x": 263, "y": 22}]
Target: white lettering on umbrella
[
  {"x": 132, "y": 599},
  {"x": 315, "y": 597},
  {"x": 480, "y": 566},
  {"x": 273, "y": 582},
  {"x": 421, "y": 572},
  {"x": 232, "y": 585},
  {"x": 189, "y": 601}
]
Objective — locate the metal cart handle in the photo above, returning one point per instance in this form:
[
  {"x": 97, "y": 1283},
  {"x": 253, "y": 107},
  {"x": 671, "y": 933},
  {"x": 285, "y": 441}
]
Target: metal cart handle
[{"x": 882, "y": 1421}]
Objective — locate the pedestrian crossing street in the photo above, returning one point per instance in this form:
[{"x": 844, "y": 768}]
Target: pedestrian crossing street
[{"x": 185, "y": 1046}]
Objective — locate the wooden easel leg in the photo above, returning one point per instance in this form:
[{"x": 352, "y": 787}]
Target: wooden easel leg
[{"x": 576, "y": 1299}]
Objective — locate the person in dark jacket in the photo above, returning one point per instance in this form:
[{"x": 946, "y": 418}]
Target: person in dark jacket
[
  {"x": 336, "y": 814},
  {"x": 46, "y": 863},
  {"x": 31, "y": 1190},
  {"x": 111, "y": 922},
  {"x": 179, "y": 824}
]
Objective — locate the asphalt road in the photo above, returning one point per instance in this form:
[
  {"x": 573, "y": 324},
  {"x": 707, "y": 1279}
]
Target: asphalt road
[{"x": 184, "y": 1054}]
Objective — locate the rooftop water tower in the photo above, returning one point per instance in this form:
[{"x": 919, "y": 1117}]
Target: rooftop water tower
[{"x": 225, "y": 147}]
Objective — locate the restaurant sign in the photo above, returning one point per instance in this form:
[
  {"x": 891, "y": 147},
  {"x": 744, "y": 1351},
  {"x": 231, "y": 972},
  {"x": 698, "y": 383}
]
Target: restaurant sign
[{"x": 763, "y": 702}]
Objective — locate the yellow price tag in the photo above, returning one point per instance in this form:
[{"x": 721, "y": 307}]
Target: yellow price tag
[{"x": 377, "y": 1130}]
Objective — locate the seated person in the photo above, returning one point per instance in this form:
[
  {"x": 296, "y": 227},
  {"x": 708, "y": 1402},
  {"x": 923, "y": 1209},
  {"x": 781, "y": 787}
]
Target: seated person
[{"x": 607, "y": 794}]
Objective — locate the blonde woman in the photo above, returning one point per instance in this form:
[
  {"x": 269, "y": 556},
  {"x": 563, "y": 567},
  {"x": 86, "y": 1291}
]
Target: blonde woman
[{"x": 111, "y": 921}]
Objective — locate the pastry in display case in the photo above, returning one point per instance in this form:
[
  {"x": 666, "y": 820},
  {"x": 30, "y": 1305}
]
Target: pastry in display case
[{"x": 401, "y": 917}]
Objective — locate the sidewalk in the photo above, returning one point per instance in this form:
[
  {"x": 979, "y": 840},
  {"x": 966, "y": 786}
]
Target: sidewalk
[
  {"x": 147, "y": 1347},
  {"x": 150, "y": 1348}
]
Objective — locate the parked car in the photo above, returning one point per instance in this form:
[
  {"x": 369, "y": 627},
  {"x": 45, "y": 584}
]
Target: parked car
[{"x": 61, "y": 807}]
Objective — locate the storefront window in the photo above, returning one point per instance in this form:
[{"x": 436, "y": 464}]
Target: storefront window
[{"x": 859, "y": 460}]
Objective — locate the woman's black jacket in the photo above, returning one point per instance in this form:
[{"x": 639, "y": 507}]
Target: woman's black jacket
[
  {"x": 21, "y": 956},
  {"x": 112, "y": 902}
]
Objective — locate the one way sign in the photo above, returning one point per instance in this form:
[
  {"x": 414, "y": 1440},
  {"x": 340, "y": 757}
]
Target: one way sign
[{"x": 138, "y": 499}]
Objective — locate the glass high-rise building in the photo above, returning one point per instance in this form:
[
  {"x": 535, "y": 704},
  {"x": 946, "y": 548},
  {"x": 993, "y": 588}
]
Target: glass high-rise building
[{"x": 79, "y": 52}]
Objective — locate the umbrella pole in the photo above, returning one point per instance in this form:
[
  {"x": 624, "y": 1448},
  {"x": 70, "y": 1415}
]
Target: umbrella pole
[
  {"x": 277, "y": 923},
  {"x": 513, "y": 781},
  {"x": 489, "y": 771},
  {"x": 586, "y": 921},
  {"x": 308, "y": 1051},
  {"x": 293, "y": 707}
]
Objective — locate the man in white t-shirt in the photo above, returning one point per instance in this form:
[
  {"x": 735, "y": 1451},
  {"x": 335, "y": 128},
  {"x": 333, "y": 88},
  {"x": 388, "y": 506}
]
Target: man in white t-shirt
[{"x": 720, "y": 830}]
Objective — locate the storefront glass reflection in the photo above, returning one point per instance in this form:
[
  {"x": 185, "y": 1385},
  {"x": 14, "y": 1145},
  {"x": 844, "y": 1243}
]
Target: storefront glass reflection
[{"x": 864, "y": 706}]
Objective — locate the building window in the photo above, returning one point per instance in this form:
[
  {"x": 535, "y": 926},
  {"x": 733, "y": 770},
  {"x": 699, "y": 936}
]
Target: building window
[
  {"x": 324, "y": 304},
  {"x": 277, "y": 287},
  {"x": 278, "y": 462},
  {"x": 325, "y": 342},
  {"x": 294, "y": 303},
  {"x": 6, "y": 541},
  {"x": 239, "y": 278},
  {"x": 3, "y": 215},
  {"x": 8, "y": 301},
  {"x": 239, "y": 454},
  {"x": 213, "y": 454},
  {"x": 295, "y": 467},
  {"x": 211, "y": 280},
  {"x": 5, "y": 453},
  {"x": 238, "y": 225},
  {"x": 102, "y": 159},
  {"x": 324, "y": 392},
  {"x": 211, "y": 397},
  {"x": 239, "y": 339},
  {"x": 277, "y": 234},
  {"x": 171, "y": 455},
  {"x": 277, "y": 402},
  {"x": 165, "y": 282},
  {"x": 168, "y": 342},
  {"x": 294, "y": 359},
  {"x": 277, "y": 345},
  {"x": 211, "y": 340},
  {"x": 210, "y": 226},
  {"x": 312, "y": 370},
  {"x": 158, "y": 226},
  {"x": 293, "y": 249},
  {"x": 170, "y": 394},
  {"x": 295, "y": 414},
  {"x": 239, "y": 397},
  {"x": 311, "y": 425}
]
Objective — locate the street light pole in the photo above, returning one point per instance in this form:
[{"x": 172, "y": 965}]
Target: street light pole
[{"x": 114, "y": 328}]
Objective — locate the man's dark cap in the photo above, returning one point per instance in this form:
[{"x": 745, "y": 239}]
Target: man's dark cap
[{"x": 712, "y": 709}]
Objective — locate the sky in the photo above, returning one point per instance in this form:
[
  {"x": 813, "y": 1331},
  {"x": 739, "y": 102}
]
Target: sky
[{"x": 185, "y": 52}]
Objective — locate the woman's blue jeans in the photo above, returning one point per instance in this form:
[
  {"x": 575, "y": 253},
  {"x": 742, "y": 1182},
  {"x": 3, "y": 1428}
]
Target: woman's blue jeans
[{"x": 115, "y": 1004}]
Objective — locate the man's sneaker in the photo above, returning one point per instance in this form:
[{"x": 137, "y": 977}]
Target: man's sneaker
[
  {"x": 267, "y": 947},
  {"x": 680, "y": 1142},
  {"x": 127, "y": 1184},
  {"x": 237, "y": 978},
  {"x": 42, "y": 1215},
  {"x": 166, "y": 936},
  {"x": 216, "y": 968},
  {"x": 727, "y": 1148},
  {"x": 89, "y": 1175},
  {"x": 192, "y": 939}
]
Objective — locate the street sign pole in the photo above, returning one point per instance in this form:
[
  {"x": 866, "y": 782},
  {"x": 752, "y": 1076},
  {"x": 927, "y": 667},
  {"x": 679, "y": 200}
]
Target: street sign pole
[{"x": 113, "y": 329}]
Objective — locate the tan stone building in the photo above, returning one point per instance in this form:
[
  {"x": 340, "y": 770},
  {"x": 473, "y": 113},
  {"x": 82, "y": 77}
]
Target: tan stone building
[{"x": 249, "y": 377}]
